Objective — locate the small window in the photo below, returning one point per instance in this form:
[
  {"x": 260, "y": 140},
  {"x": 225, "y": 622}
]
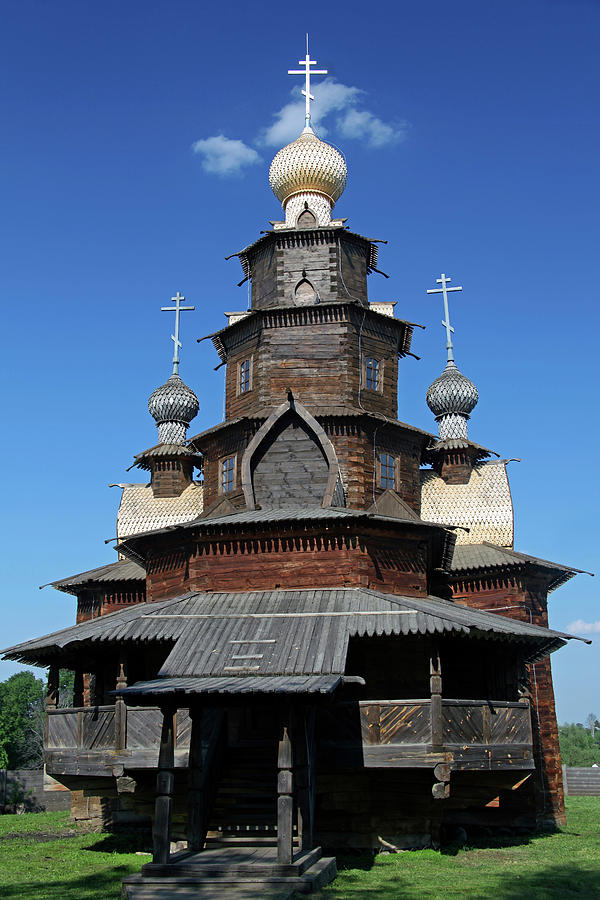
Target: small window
[
  {"x": 373, "y": 374},
  {"x": 227, "y": 474},
  {"x": 244, "y": 382},
  {"x": 387, "y": 471}
]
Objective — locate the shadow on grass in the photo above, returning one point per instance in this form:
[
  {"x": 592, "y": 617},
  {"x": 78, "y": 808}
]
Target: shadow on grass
[
  {"x": 493, "y": 840},
  {"x": 125, "y": 842},
  {"x": 99, "y": 886},
  {"x": 551, "y": 883}
]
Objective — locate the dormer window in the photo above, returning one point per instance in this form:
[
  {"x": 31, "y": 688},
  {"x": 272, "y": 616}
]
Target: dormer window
[
  {"x": 387, "y": 471},
  {"x": 245, "y": 376},
  {"x": 227, "y": 482},
  {"x": 373, "y": 374}
]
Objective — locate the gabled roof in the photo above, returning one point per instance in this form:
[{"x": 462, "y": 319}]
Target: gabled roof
[
  {"x": 470, "y": 558},
  {"x": 303, "y": 632},
  {"x": 121, "y": 570}
]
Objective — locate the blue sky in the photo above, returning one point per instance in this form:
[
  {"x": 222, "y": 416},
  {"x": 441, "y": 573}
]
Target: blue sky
[{"x": 137, "y": 139}]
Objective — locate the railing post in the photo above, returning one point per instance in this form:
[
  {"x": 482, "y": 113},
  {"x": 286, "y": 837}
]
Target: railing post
[
  {"x": 435, "y": 688},
  {"x": 52, "y": 692},
  {"x": 195, "y": 822},
  {"x": 121, "y": 711},
  {"x": 285, "y": 798},
  {"x": 163, "y": 806}
]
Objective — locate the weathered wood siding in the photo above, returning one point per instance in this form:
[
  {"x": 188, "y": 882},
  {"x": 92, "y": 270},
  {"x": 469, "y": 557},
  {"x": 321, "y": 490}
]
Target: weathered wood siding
[{"x": 289, "y": 468}]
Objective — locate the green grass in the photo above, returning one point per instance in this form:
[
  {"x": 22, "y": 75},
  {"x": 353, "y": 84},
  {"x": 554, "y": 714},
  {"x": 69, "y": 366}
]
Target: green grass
[
  {"x": 43, "y": 856},
  {"x": 548, "y": 866}
]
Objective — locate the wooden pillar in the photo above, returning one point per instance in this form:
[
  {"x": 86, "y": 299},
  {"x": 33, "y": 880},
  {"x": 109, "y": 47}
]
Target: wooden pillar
[
  {"x": 285, "y": 794},
  {"x": 305, "y": 777},
  {"x": 52, "y": 692},
  {"x": 196, "y": 831},
  {"x": 163, "y": 806},
  {"x": 121, "y": 709},
  {"x": 78, "y": 688},
  {"x": 435, "y": 688}
]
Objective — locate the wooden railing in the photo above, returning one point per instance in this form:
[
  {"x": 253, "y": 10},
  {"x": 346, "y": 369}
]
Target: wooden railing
[{"x": 118, "y": 727}]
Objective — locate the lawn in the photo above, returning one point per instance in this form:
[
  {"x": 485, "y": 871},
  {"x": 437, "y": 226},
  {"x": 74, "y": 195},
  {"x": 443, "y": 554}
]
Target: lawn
[{"x": 44, "y": 857}]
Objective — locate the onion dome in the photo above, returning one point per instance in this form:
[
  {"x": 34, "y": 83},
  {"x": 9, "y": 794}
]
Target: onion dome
[
  {"x": 312, "y": 174},
  {"x": 173, "y": 405},
  {"x": 451, "y": 398}
]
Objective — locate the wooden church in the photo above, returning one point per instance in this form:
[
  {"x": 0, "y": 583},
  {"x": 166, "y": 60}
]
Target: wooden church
[{"x": 325, "y": 639}]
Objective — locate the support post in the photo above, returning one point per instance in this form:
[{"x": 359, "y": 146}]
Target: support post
[
  {"x": 196, "y": 820},
  {"x": 78, "y": 688},
  {"x": 285, "y": 795},
  {"x": 305, "y": 778},
  {"x": 163, "y": 806},
  {"x": 52, "y": 692},
  {"x": 121, "y": 709},
  {"x": 435, "y": 688}
]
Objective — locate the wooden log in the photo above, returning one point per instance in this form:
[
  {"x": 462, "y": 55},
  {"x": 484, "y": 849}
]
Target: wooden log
[
  {"x": 163, "y": 807},
  {"x": 285, "y": 799}
]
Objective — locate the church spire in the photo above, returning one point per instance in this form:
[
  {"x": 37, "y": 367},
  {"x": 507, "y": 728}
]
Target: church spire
[{"x": 452, "y": 396}]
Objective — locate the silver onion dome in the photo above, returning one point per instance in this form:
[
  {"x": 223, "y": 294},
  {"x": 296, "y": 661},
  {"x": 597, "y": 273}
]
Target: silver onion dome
[
  {"x": 173, "y": 405},
  {"x": 451, "y": 398}
]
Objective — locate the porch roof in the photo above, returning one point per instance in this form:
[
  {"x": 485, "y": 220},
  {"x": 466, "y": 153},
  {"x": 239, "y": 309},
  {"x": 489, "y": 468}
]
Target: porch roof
[{"x": 279, "y": 632}]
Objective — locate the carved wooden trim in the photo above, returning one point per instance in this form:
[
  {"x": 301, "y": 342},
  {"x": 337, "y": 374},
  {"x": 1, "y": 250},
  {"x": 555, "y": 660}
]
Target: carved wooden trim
[{"x": 322, "y": 439}]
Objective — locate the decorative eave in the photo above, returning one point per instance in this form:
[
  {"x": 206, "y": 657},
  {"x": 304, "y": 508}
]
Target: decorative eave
[
  {"x": 486, "y": 559},
  {"x": 475, "y": 451},
  {"x": 144, "y": 459},
  {"x": 288, "y": 315},
  {"x": 123, "y": 570},
  {"x": 286, "y": 522},
  {"x": 322, "y": 414},
  {"x": 304, "y": 234}
]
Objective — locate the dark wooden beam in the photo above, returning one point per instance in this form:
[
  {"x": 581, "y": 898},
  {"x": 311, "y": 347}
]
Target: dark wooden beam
[
  {"x": 121, "y": 709},
  {"x": 163, "y": 807},
  {"x": 305, "y": 776}
]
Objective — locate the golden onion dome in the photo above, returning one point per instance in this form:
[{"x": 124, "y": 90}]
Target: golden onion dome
[{"x": 308, "y": 164}]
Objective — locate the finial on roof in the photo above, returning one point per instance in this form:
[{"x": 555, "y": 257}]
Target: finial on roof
[
  {"x": 452, "y": 396},
  {"x": 308, "y": 174},
  {"x": 173, "y": 405}
]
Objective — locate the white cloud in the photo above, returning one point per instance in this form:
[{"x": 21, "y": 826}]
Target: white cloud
[
  {"x": 581, "y": 627},
  {"x": 224, "y": 156},
  {"x": 338, "y": 108},
  {"x": 360, "y": 123},
  {"x": 353, "y": 121}
]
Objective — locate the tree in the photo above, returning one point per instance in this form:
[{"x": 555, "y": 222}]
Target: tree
[
  {"x": 592, "y": 723},
  {"x": 21, "y": 712},
  {"x": 578, "y": 747}
]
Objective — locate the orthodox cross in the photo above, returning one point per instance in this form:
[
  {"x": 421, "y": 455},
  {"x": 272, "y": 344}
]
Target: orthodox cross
[
  {"x": 307, "y": 72},
  {"x": 175, "y": 337},
  {"x": 449, "y": 329}
]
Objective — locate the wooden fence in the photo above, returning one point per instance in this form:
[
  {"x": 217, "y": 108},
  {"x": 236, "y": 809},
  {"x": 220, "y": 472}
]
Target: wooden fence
[{"x": 580, "y": 782}]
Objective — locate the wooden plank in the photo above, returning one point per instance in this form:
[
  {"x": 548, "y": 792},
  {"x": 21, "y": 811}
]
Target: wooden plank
[{"x": 285, "y": 800}]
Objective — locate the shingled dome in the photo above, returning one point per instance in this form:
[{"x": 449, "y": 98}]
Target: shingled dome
[
  {"x": 306, "y": 165},
  {"x": 452, "y": 392},
  {"x": 173, "y": 405}
]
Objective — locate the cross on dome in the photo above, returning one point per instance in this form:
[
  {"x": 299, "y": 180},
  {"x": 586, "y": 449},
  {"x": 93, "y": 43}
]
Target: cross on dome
[
  {"x": 443, "y": 280},
  {"x": 178, "y": 308},
  {"x": 307, "y": 62}
]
